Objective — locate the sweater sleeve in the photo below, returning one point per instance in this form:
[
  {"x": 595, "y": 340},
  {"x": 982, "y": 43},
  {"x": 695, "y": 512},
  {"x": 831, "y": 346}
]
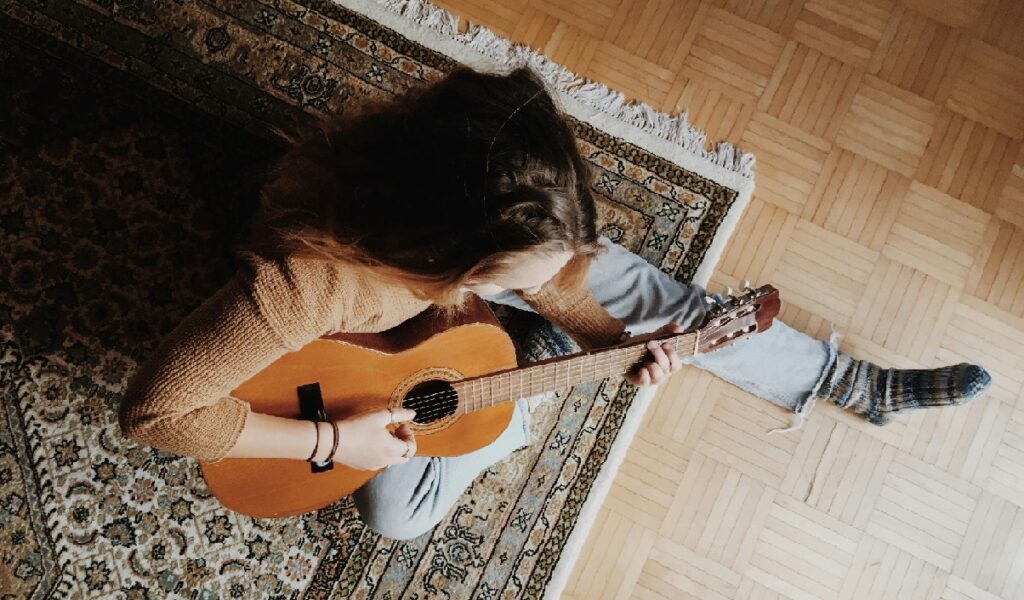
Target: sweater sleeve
[
  {"x": 566, "y": 301},
  {"x": 179, "y": 400}
]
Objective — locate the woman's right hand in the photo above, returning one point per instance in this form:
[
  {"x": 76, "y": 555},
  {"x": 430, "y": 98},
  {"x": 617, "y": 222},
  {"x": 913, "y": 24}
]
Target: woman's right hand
[{"x": 366, "y": 443}]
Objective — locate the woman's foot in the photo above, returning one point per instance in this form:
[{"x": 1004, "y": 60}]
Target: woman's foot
[{"x": 877, "y": 394}]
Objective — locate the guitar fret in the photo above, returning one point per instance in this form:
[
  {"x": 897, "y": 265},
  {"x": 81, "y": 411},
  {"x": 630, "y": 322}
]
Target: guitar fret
[{"x": 603, "y": 364}]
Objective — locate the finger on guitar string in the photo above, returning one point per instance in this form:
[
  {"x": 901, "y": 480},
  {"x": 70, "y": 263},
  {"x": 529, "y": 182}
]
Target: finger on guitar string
[
  {"x": 390, "y": 416},
  {"x": 660, "y": 358},
  {"x": 675, "y": 362}
]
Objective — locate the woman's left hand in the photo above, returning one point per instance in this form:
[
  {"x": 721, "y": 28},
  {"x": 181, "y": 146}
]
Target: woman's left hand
[{"x": 665, "y": 360}]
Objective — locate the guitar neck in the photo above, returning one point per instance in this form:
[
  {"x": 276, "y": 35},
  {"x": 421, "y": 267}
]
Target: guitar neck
[
  {"x": 561, "y": 372},
  {"x": 728, "y": 320}
]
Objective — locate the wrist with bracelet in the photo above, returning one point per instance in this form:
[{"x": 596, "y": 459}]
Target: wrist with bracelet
[{"x": 328, "y": 462}]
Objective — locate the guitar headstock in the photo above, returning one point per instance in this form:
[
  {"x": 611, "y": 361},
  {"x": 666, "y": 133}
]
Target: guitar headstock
[{"x": 731, "y": 318}]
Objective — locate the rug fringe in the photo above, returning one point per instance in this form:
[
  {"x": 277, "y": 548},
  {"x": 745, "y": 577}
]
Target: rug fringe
[{"x": 676, "y": 129}]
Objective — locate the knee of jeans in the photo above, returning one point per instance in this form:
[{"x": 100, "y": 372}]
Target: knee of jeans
[{"x": 394, "y": 521}]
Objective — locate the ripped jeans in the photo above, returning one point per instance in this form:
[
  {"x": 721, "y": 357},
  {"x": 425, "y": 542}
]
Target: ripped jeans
[{"x": 781, "y": 365}]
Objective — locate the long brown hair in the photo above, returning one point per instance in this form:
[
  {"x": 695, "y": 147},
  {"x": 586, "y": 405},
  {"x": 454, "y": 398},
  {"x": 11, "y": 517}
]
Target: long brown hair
[{"x": 438, "y": 186}]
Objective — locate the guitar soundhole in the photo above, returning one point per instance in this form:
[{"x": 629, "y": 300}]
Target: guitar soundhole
[{"x": 432, "y": 401}]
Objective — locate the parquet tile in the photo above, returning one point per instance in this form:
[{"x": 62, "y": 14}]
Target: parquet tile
[
  {"x": 1011, "y": 203},
  {"x": 501, "y": 17},
  {"x": 777, "y": 15},
  {"x": 958, "y": 589},
  {"x": 722, "y": 522},
  {"x": 1006, "y": 476},
  {"x": 758, "y": 245},
  {"x": 751, "y": 590},
  {"x": 806, "y": 272},
  {"x": 592, "y": 18},
  {"x": 535, "y": 29},
  {"x": 849, "y": 476},
  {"x": 857, "y": 198},
  {"x": 682, "y": 415},
  {"x": 652, "y": 470},
  {"x": 793, "y": 160},
  {"x": 569, "y": 45},
  {"x": 810, "y": 90},
  {"x": 923, "y": 511},
  {"x": 904, "y": 310},
  {"x": 609, "y": 570},
  {"x": 888, "y": 125},
  {"x": 802, "y": 552},
  {"x": 704, "y": 100},
  {"x": 737, "y": 54},
  {"x": 629, "y": 74},
  {"x": 848, "y": 30},
  {"x": 1000, "y": 26},
  {"x": 988, "y": 336},
  {"x": 889, "y": 204},
  {"x": 737, "y": 435},
  {"x": 1000, "y": 274},
  {"x": 955, "y": 13},
  {"x": 992, "y": 556},
  {"x": 989, "y": 88},
  {"x": 674, "y": 572},
  {"x": 963, "y": 441},
  {"x": 917, "y": 54},
  {"x": 922, "y": 238},
  {"x": 967, "y": 160},
  {"x": 652, "y": 30},
  {"x": 881, "y": 570}
]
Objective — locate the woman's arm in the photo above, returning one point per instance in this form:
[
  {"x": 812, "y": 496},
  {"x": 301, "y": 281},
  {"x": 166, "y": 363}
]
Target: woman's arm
[
  {"x": 364, "y": 442},
  {"x": 179, "y": 400}
]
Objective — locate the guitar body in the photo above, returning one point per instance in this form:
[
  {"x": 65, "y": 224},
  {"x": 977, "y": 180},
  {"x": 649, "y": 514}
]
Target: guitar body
[{"x": 363, "y": 373}]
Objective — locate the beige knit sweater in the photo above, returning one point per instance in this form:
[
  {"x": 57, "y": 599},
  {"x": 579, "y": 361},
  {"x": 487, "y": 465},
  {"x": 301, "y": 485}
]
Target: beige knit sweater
[{"x": 179, "y": 400}]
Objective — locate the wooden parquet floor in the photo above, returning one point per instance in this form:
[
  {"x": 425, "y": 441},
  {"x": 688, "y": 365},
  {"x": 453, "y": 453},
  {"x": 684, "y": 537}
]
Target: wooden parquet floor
[{"x": 890, "y": 202}]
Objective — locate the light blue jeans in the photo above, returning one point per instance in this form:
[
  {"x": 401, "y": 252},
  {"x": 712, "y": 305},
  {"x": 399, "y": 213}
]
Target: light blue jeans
[{"x": 780, "y": 365}]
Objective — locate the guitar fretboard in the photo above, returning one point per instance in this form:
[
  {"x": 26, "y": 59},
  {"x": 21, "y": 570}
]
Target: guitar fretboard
[{"x": 558, "y": 373}]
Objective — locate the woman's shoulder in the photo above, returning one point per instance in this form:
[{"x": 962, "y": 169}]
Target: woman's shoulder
[
  {"x": 352, "y": 295},
  {"x": 263, "y": 270}
]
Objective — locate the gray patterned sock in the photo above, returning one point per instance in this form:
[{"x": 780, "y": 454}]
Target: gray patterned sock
[{"x": 877, "y": 394}]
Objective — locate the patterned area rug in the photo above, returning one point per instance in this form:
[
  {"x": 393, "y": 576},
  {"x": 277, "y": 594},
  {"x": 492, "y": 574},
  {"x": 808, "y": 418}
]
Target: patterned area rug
[{"x": 132, "y": 141}]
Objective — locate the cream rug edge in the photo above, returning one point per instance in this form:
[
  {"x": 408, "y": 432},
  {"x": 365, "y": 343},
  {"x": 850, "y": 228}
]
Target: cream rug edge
[{"x": 670, "y": 137}]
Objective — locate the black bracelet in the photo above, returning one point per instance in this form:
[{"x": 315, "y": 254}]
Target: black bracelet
[{"x": 316, "y": 425}]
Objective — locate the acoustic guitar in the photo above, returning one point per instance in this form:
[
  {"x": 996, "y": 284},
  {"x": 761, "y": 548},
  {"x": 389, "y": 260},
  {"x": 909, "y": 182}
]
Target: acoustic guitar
[{"x": 461, "y": 379}]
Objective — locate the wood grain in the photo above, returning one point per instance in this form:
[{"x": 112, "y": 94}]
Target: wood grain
[{"x": 889, "y": 203}]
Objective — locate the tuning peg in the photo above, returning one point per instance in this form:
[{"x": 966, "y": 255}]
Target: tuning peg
[
  {"x": 745, "y": 286},
  {"x": 710, "y": 301},
  {"x": 728, "y": 291}
]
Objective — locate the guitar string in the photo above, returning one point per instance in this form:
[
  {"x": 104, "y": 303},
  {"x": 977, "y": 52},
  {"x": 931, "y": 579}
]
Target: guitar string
[
  {"x": 600, "y": 363},
  {"x": 441, "y": 410}
]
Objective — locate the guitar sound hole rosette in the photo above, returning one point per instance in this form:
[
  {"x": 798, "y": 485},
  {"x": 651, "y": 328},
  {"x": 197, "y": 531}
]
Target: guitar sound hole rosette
[{"x": 444, "y": 408}]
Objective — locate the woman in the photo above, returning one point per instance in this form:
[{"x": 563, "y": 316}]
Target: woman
[{"x": 486, "y": 192}]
